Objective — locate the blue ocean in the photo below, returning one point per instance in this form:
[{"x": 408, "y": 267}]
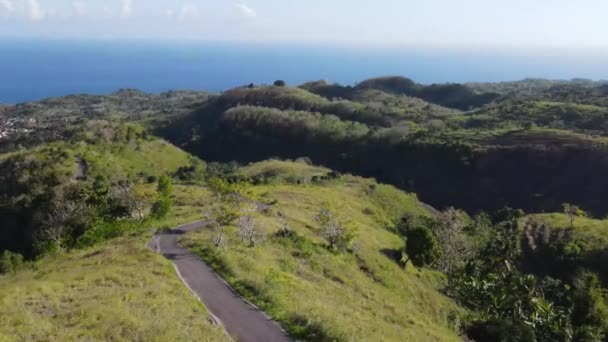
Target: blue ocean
[{"x": 34, "y": 69}]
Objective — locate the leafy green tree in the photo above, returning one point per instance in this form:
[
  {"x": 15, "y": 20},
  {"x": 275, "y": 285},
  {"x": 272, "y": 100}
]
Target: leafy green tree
[
  {"x": 421, "y": 247},
  {"x": 163, "y": 205},
  {"x": 165, "y": 186},
  {"x": 455, "y": 246},
  {"x": 279, "y": 83}
]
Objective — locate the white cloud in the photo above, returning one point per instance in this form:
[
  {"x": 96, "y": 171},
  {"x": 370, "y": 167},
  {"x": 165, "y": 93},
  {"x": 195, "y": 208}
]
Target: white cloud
[
  {"x": 126, "y": 8},
  {"x": 79, "y": 8},
  {"x": 34, "y": 11},
  {"x": 7, "y": 5},
  {"x": 189, "y": 12},
  {"x": 246, "y": 10}
]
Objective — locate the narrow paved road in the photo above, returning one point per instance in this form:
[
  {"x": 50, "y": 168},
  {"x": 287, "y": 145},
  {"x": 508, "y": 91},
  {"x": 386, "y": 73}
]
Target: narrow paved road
[{"x": 242, "y": 321}]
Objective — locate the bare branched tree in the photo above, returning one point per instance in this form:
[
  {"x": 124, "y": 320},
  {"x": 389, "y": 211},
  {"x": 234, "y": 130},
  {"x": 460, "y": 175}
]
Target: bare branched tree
[
  {"x": 247, "y": 230},
  {"x": 335, "y": 231},
  {"x": 573, "y": 212},
  {"x": 59, "y": 222},
  {"x": 214, "y": 215}
]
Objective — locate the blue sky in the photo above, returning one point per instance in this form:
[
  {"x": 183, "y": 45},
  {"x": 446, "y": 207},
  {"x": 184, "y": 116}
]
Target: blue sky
[{"x": 507, "y": 23}]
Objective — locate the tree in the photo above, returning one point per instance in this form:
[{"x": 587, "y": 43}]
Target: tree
[
  {"x": 162, "y": 207},
  {"x": 165, "y": 189},
  {"x": 455, "y": 246},
  {"x": 142, "y": 197},
  {"x": 227, "y": 206},
  {"x": 135, "y": 199},
  {"x": 336, "y": 231},
  {"x": 247, "y": 230},
  {"x": 572, "y": 211},
  {"x": 165, "y": 186},
  {"x": 60, "y": 223},
  {"x": 421, "y": 247},
  {"x": 279, "y": 83}
]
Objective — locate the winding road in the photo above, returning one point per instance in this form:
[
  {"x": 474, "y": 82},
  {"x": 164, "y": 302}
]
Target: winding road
[{"x": 242, "y": 321}]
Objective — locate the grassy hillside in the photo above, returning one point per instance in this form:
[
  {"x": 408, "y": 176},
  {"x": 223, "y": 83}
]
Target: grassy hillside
[
  {"x": 592, "y": 232},
  {"x": 280, "y": 171},
  {"x": 35, "y": 181},
  {"x": 118, "y": 292},
  {"x": 470, "y": 168},
  {"x": 544, "y": 113},
  {"x": 322, "y": 295},
  {"x": 562, "y": 250}
]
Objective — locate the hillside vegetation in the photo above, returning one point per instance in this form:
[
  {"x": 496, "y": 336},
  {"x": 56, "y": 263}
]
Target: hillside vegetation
[
  {"x": 118, "y": 292},
  {"x": 92, "y": 178},
  {"x": 321, "y": 295},
  {"x": 392, "y": 129},
  {"x": 85, "y": 181}
]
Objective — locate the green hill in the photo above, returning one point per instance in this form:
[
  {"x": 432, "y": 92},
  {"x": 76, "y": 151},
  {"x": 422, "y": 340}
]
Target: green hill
[
  {"x": 332, "y": 256},
  {"x": 322, "y": 295}
]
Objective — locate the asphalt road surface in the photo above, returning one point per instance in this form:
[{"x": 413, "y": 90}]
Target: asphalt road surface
[{"x": 242, "y": 321}]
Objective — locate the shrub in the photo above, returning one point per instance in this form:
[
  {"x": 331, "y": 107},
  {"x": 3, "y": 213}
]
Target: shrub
[
  {"x": 421, "y": 247},
  {"x": 162, "y": 207},
  {"x": 499, "y": 330},
  {"x": 10, "y": 262},
  {"x": 590, "y": 311}
]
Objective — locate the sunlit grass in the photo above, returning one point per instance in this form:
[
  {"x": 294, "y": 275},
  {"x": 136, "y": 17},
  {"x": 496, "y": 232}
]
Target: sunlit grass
[
  {"x": 281, "y": 171},
  {"x": 592, "y": 232},
  {"x": 118, "y": 292},
  {"x": 322, "y": 295}
]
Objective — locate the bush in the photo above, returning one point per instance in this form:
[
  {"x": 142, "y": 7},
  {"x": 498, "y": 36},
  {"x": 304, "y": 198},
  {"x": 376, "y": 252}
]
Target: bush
[
  {"x": 162, "y": 207},
  {"x": 279, "y": 83},
  {"x": 10, "y": 262},
  {"x": 498, "y": 330},
  {"x": 421, "y": 247}
]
